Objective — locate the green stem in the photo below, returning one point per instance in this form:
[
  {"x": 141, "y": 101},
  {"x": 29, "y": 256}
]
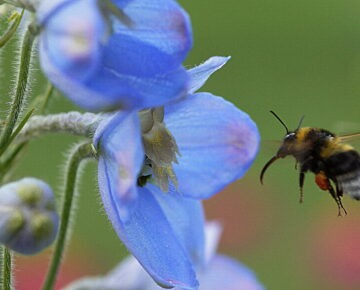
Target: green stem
[
  {"x": 81, "y": 152},
  {"x": 46, "y": 98},
  {"x": 20, "y": 91},
  {"x": 6, "y": 274},
  {"x": 16, "y": 107},
  {"x": 41, "y": 101},
  {"x": 16, "y": 18},
  {"x": 20, "y": 4}
]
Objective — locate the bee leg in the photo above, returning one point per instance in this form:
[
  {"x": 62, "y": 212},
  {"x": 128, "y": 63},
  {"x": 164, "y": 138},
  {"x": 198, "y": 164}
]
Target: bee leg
[
  {"x": 337, "y": 197},
  {"x": 339, "y": 193},
  {"x": 301, "y": 183}
]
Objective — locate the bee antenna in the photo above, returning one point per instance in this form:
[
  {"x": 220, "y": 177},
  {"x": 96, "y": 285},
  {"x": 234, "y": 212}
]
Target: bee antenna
[
  {"x": 277, "y": 117},
  {"x": 300, "y": 122}
]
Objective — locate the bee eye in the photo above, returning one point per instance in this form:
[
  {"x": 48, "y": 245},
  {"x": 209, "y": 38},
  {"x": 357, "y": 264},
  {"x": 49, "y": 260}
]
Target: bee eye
[{"x": 290, "y": 136}]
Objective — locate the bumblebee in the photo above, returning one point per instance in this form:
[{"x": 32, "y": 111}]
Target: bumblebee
[{"x": 336, "y": 165}]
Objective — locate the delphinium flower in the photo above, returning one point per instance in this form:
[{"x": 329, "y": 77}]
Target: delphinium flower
[
  {"x": 159, "y": 160},
  {"x": 107, "y": 54},
  {"x": 218, "y": 272},
  {"x": 28, "y": 217}
]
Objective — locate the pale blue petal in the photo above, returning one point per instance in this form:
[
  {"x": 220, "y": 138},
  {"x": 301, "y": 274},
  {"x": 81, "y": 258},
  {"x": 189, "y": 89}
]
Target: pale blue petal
[
  {"x": 186, "y": 217},
  {"x": 226, "y": 273},
  {"x": 150, "y": 238},
  {"x": 47, "y": 7},
  {"x": 134, "y": 212},
  {"x": 127, "y": 275},
  {"x": 213, "y": 230},
  {"x": 70, "y": 42},
  {"x": 120, "y": 160},
  {"x": 217, "y": 142},
  {"x": 223, "y": 273},
  {"x": 200, "y": 74}
]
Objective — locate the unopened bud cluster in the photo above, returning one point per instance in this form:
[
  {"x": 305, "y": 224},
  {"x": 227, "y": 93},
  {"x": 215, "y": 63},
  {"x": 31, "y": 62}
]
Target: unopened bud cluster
[{"x": 28, "y": 218}]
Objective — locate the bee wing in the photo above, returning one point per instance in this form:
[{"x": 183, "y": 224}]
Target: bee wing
[{"x": 350, "y": 137}]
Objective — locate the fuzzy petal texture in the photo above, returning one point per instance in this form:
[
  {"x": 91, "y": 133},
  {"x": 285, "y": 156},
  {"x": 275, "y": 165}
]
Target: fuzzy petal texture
[
  {"x": 200, "y": 74},
  {"x": 149, "y": 236},
  {"x": 217, "y": 143},
  {"x": 134, "y": 67},
  {"x": 120, "y": 160}
]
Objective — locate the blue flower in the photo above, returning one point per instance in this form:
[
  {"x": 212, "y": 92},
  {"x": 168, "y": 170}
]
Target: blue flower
[
  {"x": 219, "y": 272},
  {"x": 191, "y": 150},
  {"x": 105, "y": 55}
]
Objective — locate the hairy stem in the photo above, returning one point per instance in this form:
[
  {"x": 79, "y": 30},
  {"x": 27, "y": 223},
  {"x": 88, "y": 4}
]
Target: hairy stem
[
  {"x": 80, "y": 153},
  {"x": 6, "y": 134},
  {"x": 72, "y": 122},
  {"x": 16, "y": 18},
  {"x": 20, "y": 91},
  {"x": 6, "y": 273},
  {"x": 46, "y": 98}
]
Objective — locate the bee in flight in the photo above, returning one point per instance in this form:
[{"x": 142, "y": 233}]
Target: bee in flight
[{"x": 336, "y": 165}]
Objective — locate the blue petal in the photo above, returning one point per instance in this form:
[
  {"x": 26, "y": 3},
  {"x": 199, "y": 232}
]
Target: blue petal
[
  {"x": 120, "y": 161},
  {"x": 160, "y": 23},
  {"x": 135, "y": 67},
  {"x": 74, "y": 48},
  {"x": 200, "y": 73},
  {"x": 186, "y": 217},
  {"x": 217, "y": 143},
  {"x": 47, "y": 8},
  {"x": 222, "y": 273},
  {"x": 225, "y": 273},
  {"x": 150, "y": 238},
  {"x": 122, "y": 3},
  {"x": 136, "y": 74}
]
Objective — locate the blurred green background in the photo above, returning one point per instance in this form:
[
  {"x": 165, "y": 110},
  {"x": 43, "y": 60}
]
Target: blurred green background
[{"x": 294, "y": 57}]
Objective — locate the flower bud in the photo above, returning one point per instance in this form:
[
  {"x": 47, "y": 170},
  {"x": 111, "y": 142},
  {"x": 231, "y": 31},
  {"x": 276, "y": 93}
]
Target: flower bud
[{"x": 28, "y": 218}]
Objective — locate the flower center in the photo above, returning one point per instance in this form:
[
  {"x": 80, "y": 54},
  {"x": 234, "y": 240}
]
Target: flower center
[{"x": 160, "y": 149}]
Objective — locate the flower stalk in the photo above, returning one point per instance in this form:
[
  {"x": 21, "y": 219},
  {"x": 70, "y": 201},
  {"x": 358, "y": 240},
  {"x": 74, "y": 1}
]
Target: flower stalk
[
  {"x": 6, "y": 274},
  {"x": 20, "y": 90},
  {"x": 81, "y": 152},
  {"x": 75, "y": 123},
  {"x": 16, "y": 108},
  {"x": 16, "y": 19}
]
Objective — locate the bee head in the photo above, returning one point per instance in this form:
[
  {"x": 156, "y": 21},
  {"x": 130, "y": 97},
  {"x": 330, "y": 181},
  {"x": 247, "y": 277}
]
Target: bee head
[{"x": 287, "y": 146}]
